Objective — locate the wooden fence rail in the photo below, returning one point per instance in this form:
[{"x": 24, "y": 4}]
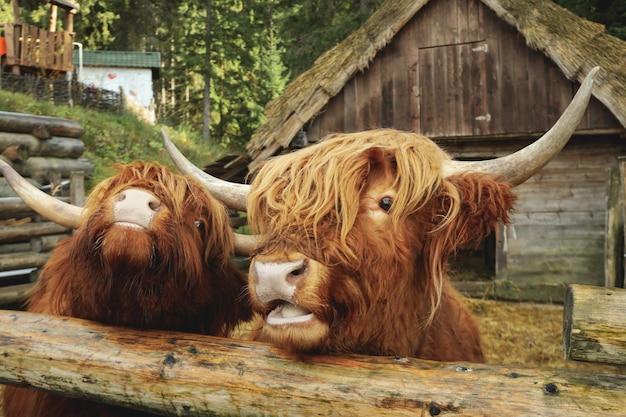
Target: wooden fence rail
[
  {"x": 183, "y": 374},
  {"x": 594, "y": 324}
]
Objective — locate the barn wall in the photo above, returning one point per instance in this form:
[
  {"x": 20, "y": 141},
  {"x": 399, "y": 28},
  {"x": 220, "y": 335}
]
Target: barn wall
[
  {"x": 557, "y": 233},
  {"x": 457, "y": 70}
]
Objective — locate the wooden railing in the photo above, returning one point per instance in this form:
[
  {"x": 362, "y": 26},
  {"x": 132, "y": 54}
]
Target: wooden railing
[
  {"x": 33, "y": 47},
  {"x": 173, "y": 373}
]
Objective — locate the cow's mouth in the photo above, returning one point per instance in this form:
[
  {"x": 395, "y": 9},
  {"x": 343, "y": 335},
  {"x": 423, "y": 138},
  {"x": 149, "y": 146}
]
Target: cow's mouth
[
  {"x": 287, "y": 313},
  {"x": 131, "y": 225}
]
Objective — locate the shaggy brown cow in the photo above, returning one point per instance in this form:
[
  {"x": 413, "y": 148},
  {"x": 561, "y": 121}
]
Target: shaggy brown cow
[
  {"x": 151, "y": 250},
  {"x": 355, "y": 234},
  {"x": 355, "y": 237}
]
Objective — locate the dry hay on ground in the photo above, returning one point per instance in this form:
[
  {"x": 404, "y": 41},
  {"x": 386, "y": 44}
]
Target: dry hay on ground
[{"x": 527, "y": 334}]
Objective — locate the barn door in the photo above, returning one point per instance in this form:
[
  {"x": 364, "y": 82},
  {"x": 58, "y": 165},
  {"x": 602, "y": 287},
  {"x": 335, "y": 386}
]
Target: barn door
[{"x": 453, "y": 89}]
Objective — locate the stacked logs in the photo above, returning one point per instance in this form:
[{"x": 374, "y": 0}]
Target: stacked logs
[{"x": 47, "y": 151}]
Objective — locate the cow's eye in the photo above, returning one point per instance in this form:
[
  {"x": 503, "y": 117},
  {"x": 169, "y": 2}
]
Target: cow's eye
[
  {"x": 199, "y": 225},
  {"x": 385, "y": 203}
]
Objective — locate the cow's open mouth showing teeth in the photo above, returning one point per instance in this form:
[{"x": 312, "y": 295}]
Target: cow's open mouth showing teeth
[
  {"x": 287, "y": 313},
  {"x": 131, "y": 225}
]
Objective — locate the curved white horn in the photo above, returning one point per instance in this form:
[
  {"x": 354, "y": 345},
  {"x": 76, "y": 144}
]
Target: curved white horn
[
  {"x": 49, "y": 207},
  {"x": 245, "y": 244},
  {"x": 232, "y": 194},
  {"x": 523, "y": 164}
]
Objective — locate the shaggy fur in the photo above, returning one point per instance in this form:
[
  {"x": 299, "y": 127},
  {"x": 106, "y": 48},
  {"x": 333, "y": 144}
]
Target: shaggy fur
[
  {"x": 374, "y": 279},
  {"x": 176, "y": 275}
]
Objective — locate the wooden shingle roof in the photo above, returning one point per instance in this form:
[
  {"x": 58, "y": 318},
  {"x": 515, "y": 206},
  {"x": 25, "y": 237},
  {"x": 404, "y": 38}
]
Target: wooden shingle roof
[{"x": 574, "y": 44}]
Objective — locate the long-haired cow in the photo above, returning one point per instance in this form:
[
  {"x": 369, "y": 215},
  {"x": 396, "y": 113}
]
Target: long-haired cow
[
  {"x": 151, "y": 249},
  {"x": 355, "y": 234},
  {"x": 355, "y": 237}
]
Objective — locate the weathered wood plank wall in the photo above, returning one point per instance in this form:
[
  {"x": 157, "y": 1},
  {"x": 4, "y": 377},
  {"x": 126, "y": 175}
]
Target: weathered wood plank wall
[
  {"x": 558, "y": 225},
  {"x": 457, "y": 70}
]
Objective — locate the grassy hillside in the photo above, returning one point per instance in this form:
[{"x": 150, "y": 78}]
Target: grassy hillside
[{"x": 113, "y": 138}]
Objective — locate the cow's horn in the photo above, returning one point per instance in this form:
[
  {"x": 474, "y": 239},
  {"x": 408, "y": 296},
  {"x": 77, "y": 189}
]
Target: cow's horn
[
  {"x": 523, "y": 164},
  {"x": 49, "y": 207},
  {"x": 245, "y": 244},
  {"x": 232, "y": 194}
]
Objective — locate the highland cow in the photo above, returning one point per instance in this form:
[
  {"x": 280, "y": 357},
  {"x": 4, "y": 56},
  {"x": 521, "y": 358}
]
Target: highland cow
[
  {"x": 355, "y": 237},
  {"x": 151, "y": 250},
  {"x": 355, "y": 232}
]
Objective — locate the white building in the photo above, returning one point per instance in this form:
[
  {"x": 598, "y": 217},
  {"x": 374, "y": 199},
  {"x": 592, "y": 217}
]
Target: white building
[{"x": 133, "y": 72}]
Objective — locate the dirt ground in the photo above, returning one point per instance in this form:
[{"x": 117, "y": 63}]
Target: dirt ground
[{"x": 526, "y": 334}]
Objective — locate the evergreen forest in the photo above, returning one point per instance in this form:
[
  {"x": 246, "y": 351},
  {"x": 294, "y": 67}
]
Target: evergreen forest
[{"x": 231, "y": 57}]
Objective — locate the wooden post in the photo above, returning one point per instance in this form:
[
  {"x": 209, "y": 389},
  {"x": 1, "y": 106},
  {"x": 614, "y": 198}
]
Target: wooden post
[
  {"x": 52, "y": 27},
  {"x": 622, "y": 170},
  {"x": 501, "y": 251},
  {"x": 173, "y": 373},
  {"x": 614, "y": 231},
  {"x": 594, "y": 324},
  {"x": 77, "y": 188}
]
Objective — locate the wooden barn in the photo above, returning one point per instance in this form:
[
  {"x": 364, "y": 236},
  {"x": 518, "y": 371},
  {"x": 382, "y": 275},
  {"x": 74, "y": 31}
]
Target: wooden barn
[{"x": 484, "y": 78}]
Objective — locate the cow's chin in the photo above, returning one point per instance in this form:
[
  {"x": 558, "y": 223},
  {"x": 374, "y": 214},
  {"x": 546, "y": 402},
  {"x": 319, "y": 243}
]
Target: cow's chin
[
  {"x": 123, "y": 245},
  {"x": 291, "y": 328}
]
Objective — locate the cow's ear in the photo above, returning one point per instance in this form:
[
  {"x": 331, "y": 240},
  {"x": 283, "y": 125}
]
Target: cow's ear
[{"x": 482, "y": 202}]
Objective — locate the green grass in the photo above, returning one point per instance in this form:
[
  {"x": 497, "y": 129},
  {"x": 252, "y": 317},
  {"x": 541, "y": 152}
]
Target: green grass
[{"x": 117, "y": 138}]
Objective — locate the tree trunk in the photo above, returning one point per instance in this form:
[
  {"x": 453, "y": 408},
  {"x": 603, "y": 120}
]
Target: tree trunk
[
  {"x": 594, "y": 325},
  {"x": 206, "y": 114},
  {"x": 183, "y": 374}
]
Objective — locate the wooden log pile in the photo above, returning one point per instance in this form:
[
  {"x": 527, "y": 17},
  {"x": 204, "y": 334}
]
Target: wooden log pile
[
  {"x": 47, "y": 151},
  {"x": 172, "y": 373}
]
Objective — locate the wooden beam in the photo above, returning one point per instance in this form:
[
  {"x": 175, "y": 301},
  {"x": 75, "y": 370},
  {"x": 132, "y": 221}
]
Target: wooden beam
[
  {"x": 183, "y": 374},
  {"x": 594, "y": 328}
]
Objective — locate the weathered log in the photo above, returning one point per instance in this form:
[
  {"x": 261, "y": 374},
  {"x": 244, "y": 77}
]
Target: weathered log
[
  {"x": 34, "y": 244},
  {"x": 14, "y": 247},
  {"x": 45, "y": 243},
  {"x": 24, "y": 232},
  {"x": 594, "y": 324},
  {"x": 183, "y": 374},
  {"x": 16, "y": 153},
  {"x": 12, "y": 261},
  {"x": 42, "y": 127},
  {"x": 7, "y": 191},
  {"x": 57, "y": 146},
  {"x": 14, "y": 295},
  {"x": 39, "y": 168}
]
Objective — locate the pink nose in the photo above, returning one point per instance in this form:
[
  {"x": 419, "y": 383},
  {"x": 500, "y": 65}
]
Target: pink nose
[
  {"x": 135, "y": 207},
  {"x": 278, "y": 280}
]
